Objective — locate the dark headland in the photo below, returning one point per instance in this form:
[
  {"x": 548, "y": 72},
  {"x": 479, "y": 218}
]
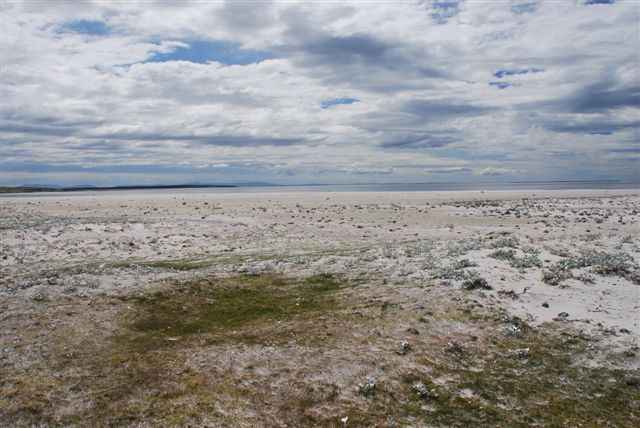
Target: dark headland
[{"x": 33, "y": 189}]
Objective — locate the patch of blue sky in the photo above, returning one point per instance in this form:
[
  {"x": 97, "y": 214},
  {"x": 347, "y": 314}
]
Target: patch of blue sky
[
  {"x": 599, "y": 1},
  {"x": 335, "y": 101},
  {"x": 444, "y": 10},
  {"x": 202, "y": 51},
  {"x": 500, "y": 85},
  {"x": 524, "y": 8},
  {"x": 502, "y": 73},
  {"x": 92, "y": 28}
]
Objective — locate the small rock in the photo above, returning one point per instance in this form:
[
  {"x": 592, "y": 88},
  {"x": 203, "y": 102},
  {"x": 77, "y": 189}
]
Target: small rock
[
  {"x": 454, "y": 348},
  {"x": 422, "y": 391},
  {"x": 476, "y": 283},
  {"x": 521, "y": 353},
  {"x": 510, "y": 293},
  {"x": 368, "y": 388},
  {"x": 404, "y": 348},
  {"x": 511, "y": 329},
  {"x": 545, "y": 305}
]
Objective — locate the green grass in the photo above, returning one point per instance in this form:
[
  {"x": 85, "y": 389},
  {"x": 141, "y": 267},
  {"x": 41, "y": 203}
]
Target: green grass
[
  {"x": 185, "y": 355},
  {"x": 218, "y": 306},
  {"x": 177, "y": 264},
  {"x": 546, "y": 389}
]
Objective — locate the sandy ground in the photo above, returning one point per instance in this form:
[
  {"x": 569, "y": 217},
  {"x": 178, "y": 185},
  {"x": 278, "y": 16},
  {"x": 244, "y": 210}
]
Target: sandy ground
[
  {"x": 546, "y": 257},
  {"x": 57, "y": 231}
]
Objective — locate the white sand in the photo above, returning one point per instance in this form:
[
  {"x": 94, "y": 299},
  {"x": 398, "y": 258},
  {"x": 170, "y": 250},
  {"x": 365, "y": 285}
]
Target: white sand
[{"x": 398, "y": 237}]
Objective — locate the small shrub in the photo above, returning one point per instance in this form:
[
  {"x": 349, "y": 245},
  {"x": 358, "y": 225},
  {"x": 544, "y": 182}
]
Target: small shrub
[
  {"x": 473, "y": 281},
  {"x": 503, "y": 254},
  {"x": 555, "y": 275},
  {"x": 506, "y": 241},
  {"x": 526, "y": 262}
]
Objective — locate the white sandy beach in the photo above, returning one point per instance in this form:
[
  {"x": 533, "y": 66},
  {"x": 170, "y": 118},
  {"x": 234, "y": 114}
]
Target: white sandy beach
[{"x": 565, "y": 261}]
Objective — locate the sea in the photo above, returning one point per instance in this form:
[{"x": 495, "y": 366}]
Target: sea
[{"x": 411, "y": 187}]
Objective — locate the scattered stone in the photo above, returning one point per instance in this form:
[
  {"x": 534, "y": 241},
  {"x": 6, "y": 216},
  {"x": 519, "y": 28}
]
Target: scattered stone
[
  {"x": 422, "y": 391},
  {"x": 39, "y": 296},
  {"x": 476, "y": 283},
  {"x": 511, "y": 330},
  {"x": 404, "y": 348},
  {"x": 521, "y": 353},
  {"x": 561, "y": 316},
  {"x": 545, "y": 305},
  {"x": 454, "y": 348},
  {"x": 367, "y": 388},
  {"x": 511, "y": 294}
]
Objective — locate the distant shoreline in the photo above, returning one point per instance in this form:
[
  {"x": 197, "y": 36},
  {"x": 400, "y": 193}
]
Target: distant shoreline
[
  {"x": 10, "y": 189},
  {"x": 360, "y": 187}
]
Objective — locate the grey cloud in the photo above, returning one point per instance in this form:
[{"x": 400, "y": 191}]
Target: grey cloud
[
  {"x": 214, "y": 140},
  {"x": 348, "y": 50},
  {"x": 448, "y": 170},
  {"x": 599, "y": 97},
  {"x": 360, "y": 59},
  {"x": 247, "y": 16},
  {"x": 441, "y": 109},
  {"x": 419, "y": 140},
  {"x": 590, "y": 126},
  {"x": 626, "y": 150},
  {"x": 603, "y": 96}
]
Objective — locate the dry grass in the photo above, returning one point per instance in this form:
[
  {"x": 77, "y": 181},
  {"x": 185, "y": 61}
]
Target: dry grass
[{"x": 270, "y": 350}]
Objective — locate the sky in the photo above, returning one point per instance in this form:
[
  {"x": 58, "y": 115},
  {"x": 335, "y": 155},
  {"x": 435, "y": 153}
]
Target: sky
[{"x": 161, "y": 92}]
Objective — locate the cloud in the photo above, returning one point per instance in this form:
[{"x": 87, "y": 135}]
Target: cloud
[
  {"x": 418, "y": 140},
  {"x": 605, "y": 95},
  {"x": 450, "y": 170},
  {"x": 442, "y": 109},
  {"x": 360, "y": 169},
  {"x": 308, "y": 92},
  {"x": 590, "y": 126},
  {"x": 496, "y": 171}
]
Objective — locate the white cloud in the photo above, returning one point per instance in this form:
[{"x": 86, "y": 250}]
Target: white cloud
[
  {"x": 422, "y": 78},
  {"x": 496, "y": 171}
]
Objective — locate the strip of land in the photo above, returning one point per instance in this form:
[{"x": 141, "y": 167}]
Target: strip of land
[
  {"x": 31, "y": 189},
  {"x": 510, "y": 308}
]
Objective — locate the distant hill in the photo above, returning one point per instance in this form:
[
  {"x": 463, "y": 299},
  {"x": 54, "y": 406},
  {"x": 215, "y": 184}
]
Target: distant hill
[{"x": 56, "y": 188}]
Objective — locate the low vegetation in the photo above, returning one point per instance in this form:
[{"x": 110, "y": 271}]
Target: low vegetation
[{"x": 244, "y": 350}]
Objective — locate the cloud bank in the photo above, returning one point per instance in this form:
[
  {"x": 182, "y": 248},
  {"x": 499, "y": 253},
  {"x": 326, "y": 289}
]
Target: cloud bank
[{"x": 163, "y": 92}]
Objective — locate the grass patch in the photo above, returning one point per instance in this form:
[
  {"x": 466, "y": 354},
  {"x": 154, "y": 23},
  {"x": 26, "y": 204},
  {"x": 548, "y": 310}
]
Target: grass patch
[
  {"x": 219, "y": 306},
  {"x": 499, "y": 385},
  {"x": 177, "y": 265},
  {"x": 455, "y": 270},
  {"x": 600, "y": 262}
]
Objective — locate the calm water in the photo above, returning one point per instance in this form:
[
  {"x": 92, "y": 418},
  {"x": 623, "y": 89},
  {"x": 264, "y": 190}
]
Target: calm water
[{"x": 417, "y": 187}]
